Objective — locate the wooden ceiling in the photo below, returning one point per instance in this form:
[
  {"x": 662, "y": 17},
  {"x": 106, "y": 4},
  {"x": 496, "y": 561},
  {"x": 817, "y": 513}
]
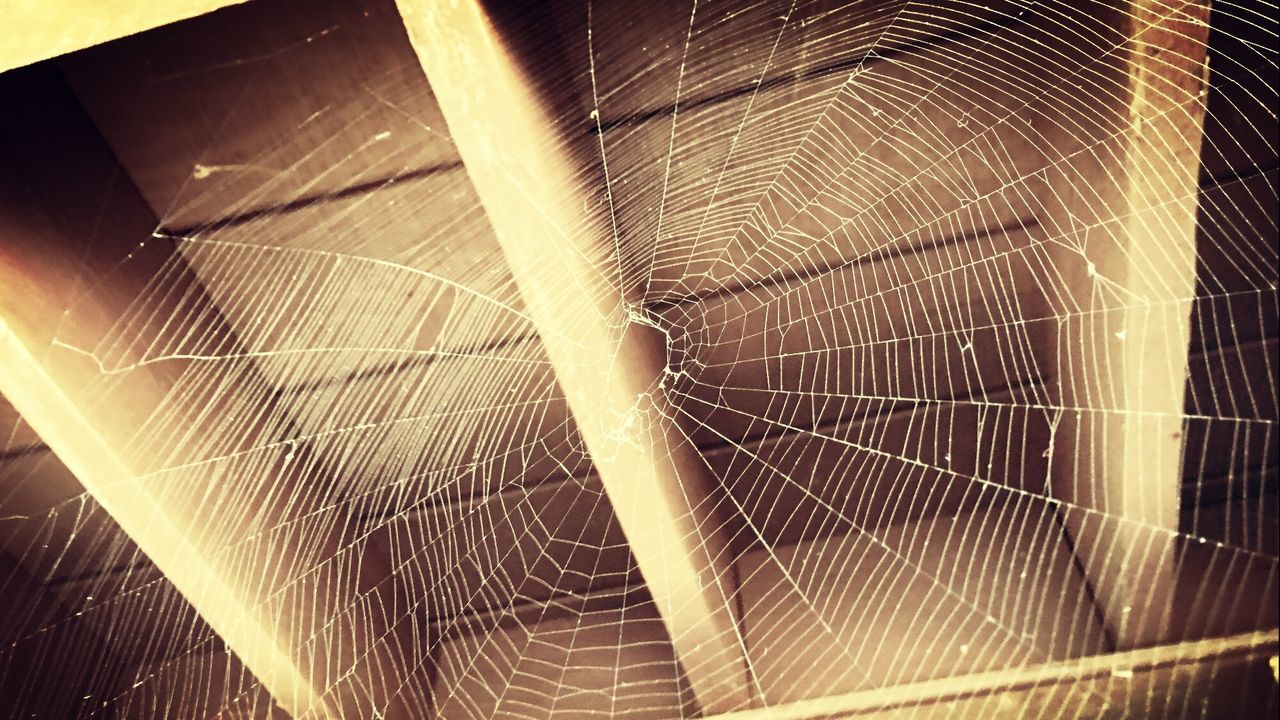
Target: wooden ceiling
[{"x": 863, "y": 292}]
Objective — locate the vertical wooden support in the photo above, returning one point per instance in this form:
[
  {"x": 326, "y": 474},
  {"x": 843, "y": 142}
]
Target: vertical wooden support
[
  {"x": 609, "y": 358},
  {"x": 242, "y": 540},
  {"x": 1124, "y": 217}
]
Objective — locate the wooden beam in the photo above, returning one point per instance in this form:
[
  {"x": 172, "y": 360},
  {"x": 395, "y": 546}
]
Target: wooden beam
[
  {"x": 610, "y": 357},
  {"x": 1123, "y": 219},
  {"x": 1219, "y": 677},
  {"x": 37, "y": 390},
  {"x": 37, "y": 30},
  {"x": 192, "y": 460}
]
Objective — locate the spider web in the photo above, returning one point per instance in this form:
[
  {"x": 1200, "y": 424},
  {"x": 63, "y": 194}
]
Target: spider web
[{"x": 859, "y": 229}]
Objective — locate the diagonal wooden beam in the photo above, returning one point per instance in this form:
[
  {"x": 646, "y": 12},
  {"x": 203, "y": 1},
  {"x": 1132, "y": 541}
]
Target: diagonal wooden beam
[
  {"x": 1217, "y": 677},
  {"x": 48, "y": 28},
  {"x": 193, "y": 461},
  {"x": 1125, "y": 213},
  {"x": 610, "y": 358},
  {"x": 224, "y": 604}
]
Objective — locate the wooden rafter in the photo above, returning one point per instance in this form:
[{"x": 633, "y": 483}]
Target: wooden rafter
[
  {"x": 43, "y": 29},
  {"x": 1128, "y": 201},
  {"x": 323, "y": 645},
  {"x": 609, "y": 357}
]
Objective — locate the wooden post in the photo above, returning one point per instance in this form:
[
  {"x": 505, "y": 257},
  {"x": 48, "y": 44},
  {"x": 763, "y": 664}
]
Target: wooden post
[
  {"x": 1123, "y": 212},
  {"x": 609, "y": 356}
]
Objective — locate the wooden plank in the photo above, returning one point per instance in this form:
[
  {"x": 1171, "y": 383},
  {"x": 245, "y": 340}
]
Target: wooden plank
[
  {"x": 16, "y": 436},
  {"x": 1221, "y": 677},
  {"x": 609, "y": 356},
  {"x": 1236, "y": 233},
  {"x": 641, "y": 58},
  {"x": 1225, "y": 581},
  {"x": 52, "y": 526},
  {"x": 613, "y": 662},
  {"x": 41, "y": 29},
  {"x": 944, "y": 322},
  {"x": 1122, "y": 211},
  {"x": 43, "y": 402},
  {"x": 829, "y": 167},
  {"x": 991, "y": 588},
  {"x": 208, "y": 684},
  {"x": 883, "y": 470},
  {"x": 151, "y": 439},
  {"x": 298, "y": 149},
  {"x": 275, "y": 101},
  {"x": 752, "y": 363},
  {"x": 1242, "y": 122},
  {"x": 519, "y": 545}
]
